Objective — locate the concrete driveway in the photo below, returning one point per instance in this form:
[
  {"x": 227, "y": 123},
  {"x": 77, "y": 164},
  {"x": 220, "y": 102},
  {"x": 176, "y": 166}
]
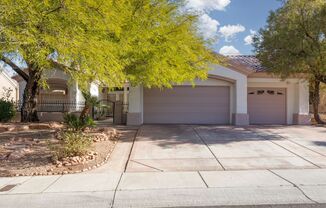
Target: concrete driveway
[{"x": 215, "y": 148}]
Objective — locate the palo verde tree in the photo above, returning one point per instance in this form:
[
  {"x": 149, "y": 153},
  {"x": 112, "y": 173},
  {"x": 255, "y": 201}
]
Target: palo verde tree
[
  {"x": 149, "y": 42},
  {"x": 294, "y": 42},
  {"x": 36, "y": 36}
]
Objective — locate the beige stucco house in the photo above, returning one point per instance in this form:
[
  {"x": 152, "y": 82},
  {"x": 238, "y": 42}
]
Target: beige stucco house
[
  {"x": 7, "y": 83},
  {"x": 240, "y": 93}
]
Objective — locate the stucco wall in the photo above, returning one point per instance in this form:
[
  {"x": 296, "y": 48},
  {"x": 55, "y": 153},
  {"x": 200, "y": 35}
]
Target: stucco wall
[
  {"x": 220, "y": 76},
  {"x": 8, "y": 83}
]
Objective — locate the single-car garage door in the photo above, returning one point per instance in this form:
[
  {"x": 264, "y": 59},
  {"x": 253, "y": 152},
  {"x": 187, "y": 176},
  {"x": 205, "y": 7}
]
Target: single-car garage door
[
  {"x": 187, "y": 105},
  {"x": 267, "y": 105}
]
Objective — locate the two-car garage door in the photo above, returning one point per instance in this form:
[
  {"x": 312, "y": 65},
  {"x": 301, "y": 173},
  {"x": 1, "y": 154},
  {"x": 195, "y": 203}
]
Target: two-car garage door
[{"x": 187, "y": 105}]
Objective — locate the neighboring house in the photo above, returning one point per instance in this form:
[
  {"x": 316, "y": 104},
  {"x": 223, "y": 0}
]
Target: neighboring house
[
  {"x": 63, "y": 95},
  {"x": 241, "y": 93},
  {"x": 7, "y": 83}
]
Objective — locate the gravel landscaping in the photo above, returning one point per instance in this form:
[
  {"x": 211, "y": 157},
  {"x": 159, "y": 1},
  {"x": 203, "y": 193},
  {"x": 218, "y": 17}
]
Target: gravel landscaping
[{"x": 25, "y": 149}]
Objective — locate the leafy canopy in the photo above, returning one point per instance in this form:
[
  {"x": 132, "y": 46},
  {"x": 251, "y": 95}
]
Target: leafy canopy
[
  {"x": 294, "y": 39},
  {"x": 149, "y": 42}
]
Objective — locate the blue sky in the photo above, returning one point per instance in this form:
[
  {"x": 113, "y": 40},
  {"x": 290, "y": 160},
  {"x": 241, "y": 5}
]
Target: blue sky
[{"x": 233, "y": 21}]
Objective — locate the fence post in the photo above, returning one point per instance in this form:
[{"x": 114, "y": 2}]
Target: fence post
[
  {"x": 117, "y": 118},
  {"x": 93, "y": 113}
]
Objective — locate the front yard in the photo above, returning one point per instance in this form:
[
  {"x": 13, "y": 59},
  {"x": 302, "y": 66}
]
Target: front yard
[{"x": 30, "y": 150}]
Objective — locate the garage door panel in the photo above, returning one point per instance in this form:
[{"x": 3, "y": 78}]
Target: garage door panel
[
  {"x": 181, "y": 118},
  {"x": 188, "y": 105},
  {"x": 265, "y": 108},
  {"x": 205, "y": 109}
]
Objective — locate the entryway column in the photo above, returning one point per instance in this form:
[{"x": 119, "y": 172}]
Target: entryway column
[
  {"x": 135, "y": 109},
  {"x": 240, "y": 116},
  {"x": 302, "y": 117}
]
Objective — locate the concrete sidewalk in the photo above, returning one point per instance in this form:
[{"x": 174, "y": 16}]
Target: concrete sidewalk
[{"x": 167, "y": 189}]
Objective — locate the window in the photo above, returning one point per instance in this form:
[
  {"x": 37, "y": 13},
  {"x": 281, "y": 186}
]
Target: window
[
  {"x": 260, "y": 92},
  {"x": 280, "y": 93},
  {"x": 271, "y": 92},
  {"x": 251, "y": 93}
]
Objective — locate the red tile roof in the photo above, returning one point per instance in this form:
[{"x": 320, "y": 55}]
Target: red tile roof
[{"x": 249, "y": 60}]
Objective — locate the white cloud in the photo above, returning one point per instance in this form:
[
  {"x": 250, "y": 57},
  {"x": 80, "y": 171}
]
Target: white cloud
[
  {"x": 249, "y": 39},
  {"x": 208, "y": 26},
  {"x": 207, "y": 5},
  {"x": 229, "y": 50},
  {"x": 229, "y": 31}
]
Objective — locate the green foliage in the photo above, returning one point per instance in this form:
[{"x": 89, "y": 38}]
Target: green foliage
[
  {"x": 72, "y": 144},
  {"x": 294, "y": 40},
  {"x": 149, "y": 42},
  {"x": 7, "y": 107},
  {"x": 7, "y": 110},
  {"x": 90, "y": 100},
  {"x": 76, "y": 124}
]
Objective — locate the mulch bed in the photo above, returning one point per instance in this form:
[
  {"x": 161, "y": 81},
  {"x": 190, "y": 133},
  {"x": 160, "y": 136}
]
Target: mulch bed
[{"x": 24, "y": 150}]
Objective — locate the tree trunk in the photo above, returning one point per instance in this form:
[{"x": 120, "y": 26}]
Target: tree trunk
[
  {"x": 85, "y": 112},
  {"x": 316, "y": 101},
  {"x": 29, "y": 106}
]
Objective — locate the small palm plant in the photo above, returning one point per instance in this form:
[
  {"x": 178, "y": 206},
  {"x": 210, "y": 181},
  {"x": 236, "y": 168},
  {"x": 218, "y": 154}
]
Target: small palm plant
[{"x": 90, "y": 101}]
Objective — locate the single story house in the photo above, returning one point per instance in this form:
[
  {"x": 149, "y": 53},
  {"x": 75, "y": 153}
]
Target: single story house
[
  {"x": 7, "y": 83},
  {"x": 240, "y": 93}
]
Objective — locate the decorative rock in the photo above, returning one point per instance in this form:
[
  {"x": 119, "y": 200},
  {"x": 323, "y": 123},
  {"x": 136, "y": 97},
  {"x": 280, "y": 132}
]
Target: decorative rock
[
  {"x": 17, "y": 154},
  {"x": 39, "y": 126},
  {"x": 3, "y": 129},
  {"x": 56, "y": 125}
]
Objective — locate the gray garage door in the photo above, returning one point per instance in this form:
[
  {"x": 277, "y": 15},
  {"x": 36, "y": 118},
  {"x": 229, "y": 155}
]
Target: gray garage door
[
  {"x": 267, "y": 105},
  {"x": 187, "y": 105}
]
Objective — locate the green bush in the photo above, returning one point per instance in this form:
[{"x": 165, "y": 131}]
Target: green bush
[
  {"x": 7, "y": 110},
  {"x": 74, "y": 123},
  {"x": 72, "y": 144}
]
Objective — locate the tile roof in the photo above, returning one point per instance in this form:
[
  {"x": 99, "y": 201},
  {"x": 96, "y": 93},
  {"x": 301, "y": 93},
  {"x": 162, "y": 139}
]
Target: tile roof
[{"x": 249, "y": 60}]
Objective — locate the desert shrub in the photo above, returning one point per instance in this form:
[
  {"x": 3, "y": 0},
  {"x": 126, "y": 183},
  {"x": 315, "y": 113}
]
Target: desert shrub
[
  {"x": 7, "y": 110},
  {"x": 71, "y": 144},
  {"x": 76, "y": 124}
]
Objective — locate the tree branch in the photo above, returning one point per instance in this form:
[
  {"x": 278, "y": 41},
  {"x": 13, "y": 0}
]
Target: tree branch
[
  {"x": 323, "y": 79},
  {"x": 15, "y": 68},
  {"x": 61, "y": 6}
]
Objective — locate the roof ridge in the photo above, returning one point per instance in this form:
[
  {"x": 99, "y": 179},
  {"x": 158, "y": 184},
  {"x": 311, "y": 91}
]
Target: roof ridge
[
  {"x": 7, "y": 76},
  {"x": 240, "y": 55}
]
